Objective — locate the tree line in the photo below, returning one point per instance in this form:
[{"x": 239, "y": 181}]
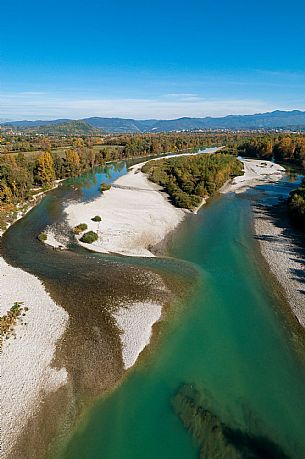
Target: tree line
[
  {"x": 284, "y": 148},
  {"x": 19, "y": 174},
  {"x": 281, "y": 147}
]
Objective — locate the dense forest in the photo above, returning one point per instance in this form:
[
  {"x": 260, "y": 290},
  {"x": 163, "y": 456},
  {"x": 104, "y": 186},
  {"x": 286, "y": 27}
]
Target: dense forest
[
  {"x": 188, "y": 179},
  {"x": 283, "y": 148}
]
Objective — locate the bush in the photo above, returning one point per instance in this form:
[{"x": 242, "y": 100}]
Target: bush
[
  {"x": 9, "y": 320},
  {"x": 97, "y": 218},
  {"x": 80, "y": 228},
  {"x": 104, "y": 187},
  {"x": 42, "y": 237},
  {"x": 296, "y": 205},
  {"x": 89, "y": 237}
]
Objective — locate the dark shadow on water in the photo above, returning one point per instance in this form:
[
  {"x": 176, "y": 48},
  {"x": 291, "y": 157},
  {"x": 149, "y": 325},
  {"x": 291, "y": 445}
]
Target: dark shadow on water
[{"x": 215, "y": 438}]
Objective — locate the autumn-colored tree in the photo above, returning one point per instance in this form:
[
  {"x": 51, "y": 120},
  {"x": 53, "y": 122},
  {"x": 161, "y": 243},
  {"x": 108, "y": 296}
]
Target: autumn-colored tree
[
  {"x": 72, "y": 162},
  {"x": 5, "y": 193},
  {"x": 284, "y": 149},
  {"x": 78, "y": 142},
  {"x": 44, "y": 172},
  {"x": 45, "y": 143},
  {"x": 266, "y": 149}
]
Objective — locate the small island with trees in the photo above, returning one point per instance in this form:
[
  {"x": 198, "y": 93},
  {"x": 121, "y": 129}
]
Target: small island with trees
[{"x": 190, "y": 179}]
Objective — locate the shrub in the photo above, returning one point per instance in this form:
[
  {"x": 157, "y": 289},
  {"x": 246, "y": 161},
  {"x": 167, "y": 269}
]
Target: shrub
[
  {"x": 42, "y": 237},
  {"x": 296, "y": 205},
  {"x": 9, "y": 320},
  {"x": 97, "y": 218},
  {"x": 89, "y": 237},
  {"x": 80, "y": 228},
  {"x": 104, "y": 187}
]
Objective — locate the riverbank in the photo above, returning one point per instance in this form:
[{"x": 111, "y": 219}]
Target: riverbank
[
  {"x": 283, "y": 248},
  {"x": 256, "y": 172},
  {"x": 27, "y": 354},
  {"x": 23, "y": 208},
  {"x": 280, "y": 244}
]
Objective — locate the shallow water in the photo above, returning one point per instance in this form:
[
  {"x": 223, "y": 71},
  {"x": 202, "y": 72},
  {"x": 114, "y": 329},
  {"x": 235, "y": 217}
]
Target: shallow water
[{"x": 230, "y": 338}]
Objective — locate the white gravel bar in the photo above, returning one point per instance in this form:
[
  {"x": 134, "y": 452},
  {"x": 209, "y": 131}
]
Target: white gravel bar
[
  {"x": 135, "y": 322},
  {"x": 26, "y": 359}
]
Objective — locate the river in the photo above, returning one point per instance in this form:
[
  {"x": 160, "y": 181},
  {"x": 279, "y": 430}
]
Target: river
[{"x": 231, "y": 338}]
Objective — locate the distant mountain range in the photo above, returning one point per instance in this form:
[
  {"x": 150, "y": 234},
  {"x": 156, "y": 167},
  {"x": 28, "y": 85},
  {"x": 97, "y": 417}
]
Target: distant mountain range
[{"x": 293, "y": 120}]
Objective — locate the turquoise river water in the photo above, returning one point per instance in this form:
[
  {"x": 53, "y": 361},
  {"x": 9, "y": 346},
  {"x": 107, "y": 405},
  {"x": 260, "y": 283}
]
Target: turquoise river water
[{"x": 232, "y": 338}]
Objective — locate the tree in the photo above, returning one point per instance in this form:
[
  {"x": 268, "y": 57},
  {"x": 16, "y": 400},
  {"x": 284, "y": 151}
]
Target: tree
[
  {"x": 45, "y": 172},
  {"x": 72, "y": 162},
  {"x": 284, "y": 149}
]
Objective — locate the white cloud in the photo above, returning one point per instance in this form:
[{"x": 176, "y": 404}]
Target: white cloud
[{"x": 33, "y": 105}]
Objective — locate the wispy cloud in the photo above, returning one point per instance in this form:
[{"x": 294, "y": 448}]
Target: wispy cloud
[
  {"x": 282, "y": 74},
  {"x": 32, "y": 93},
  {"x": 33, "y": 105}
]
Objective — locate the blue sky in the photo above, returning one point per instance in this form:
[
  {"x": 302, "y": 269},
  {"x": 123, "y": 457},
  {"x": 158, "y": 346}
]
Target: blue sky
[{"x": 161, "y": 59}]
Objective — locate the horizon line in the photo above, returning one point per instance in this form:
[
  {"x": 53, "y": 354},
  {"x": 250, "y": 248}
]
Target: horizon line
[{"x": 45, "y": 118}]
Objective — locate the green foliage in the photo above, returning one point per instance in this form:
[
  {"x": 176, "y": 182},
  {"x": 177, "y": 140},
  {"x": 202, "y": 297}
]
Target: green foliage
[
  {"x": 104, "y": 187},
  {"x": 8, "y": 320},
  {"x": 80, "y": 228},
  {"x": 42, "y": 237},
  {"x": 296, "y": 205},
  {"x": 89, "y": 237},
  {"x": 97, "y": 218},
  {"x": 187, "y": 179}
]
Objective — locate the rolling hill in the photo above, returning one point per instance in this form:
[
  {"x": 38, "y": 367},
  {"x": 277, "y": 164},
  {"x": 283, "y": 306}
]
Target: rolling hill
[{"x": 293, "y": 120}]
